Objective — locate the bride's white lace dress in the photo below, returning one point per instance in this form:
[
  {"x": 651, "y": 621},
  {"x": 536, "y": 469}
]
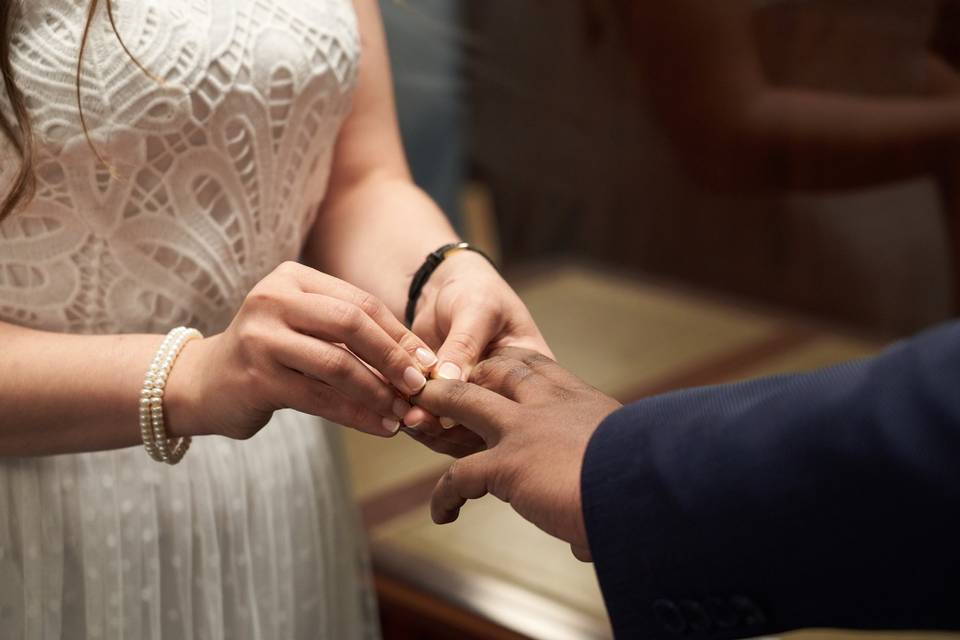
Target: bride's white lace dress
[{"x": 219, "y": 171}]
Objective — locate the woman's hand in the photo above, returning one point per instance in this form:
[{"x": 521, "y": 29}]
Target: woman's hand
[
  {"x": 302, "y": 340},
  {"x": 466, "y": 310}
]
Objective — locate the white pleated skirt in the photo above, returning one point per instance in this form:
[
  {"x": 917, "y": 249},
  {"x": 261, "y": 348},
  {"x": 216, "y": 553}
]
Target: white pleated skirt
[{"x": 253, "y": 540}]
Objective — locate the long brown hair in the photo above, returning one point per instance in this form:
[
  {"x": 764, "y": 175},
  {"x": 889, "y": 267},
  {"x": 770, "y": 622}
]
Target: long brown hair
[{"x": 20, "y": 131}]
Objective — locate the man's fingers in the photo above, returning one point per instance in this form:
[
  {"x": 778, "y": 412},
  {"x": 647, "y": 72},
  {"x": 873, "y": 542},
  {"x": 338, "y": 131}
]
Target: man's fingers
[
  {"x": 466, "y": 479},
  {"x": 581, "y": 553},
  {"x": 482, "y": 411},
  {"x": 470, "y": 333},
  {"x": 542, "y": 364},
  {"x": 511, "y": 378},
  {"x": 456, "y": 443},
  {"x": 418, "y": 418}
]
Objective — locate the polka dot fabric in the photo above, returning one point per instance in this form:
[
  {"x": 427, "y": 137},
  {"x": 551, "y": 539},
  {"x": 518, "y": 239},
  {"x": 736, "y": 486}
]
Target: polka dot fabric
[
  {"x": 218, "y": 173},
  {"x": 245, "y": 540}
]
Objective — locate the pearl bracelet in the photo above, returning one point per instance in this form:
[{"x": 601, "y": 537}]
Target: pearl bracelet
[{"x": 152, "y": 427}]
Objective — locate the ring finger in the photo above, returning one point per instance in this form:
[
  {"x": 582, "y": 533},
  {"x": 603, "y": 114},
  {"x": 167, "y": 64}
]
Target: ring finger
[
  {"x": 320, "y": 399},
  {"x": 340, "y": 369}
]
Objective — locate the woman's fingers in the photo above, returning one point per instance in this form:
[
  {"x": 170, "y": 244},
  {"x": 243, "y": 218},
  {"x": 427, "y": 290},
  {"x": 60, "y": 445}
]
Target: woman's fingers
[
  {"x": 317, "y": 398},
  {"x": 402, "y": 372},
  {"x": 466, "y": 479},
  {"x": 471, "y": 330},
  {"x": 341, "y": 370},
  {"x": 335, "y": 320}
]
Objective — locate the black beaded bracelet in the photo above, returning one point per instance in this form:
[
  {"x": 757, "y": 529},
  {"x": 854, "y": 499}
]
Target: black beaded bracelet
[{"x": 429, "y": 266}]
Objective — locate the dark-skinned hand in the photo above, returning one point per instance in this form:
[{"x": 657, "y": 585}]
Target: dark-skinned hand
[{"x": 536, "y": 419}]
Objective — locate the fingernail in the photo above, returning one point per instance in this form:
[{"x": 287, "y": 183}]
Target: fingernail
[
  {"x": 426, "y": 357},
  {"x": 414, "y": 418},
  {"x": 414, "y": 380},
  {"x": 400, "y": 408},
  {"x": 391, "y": 425},
  {"x": 447, "y": 423},
  {"x": 449, "y": 371}
]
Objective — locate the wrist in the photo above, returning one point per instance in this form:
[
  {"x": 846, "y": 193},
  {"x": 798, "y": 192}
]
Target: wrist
[
  {"x": 183, "y": 397},
  {"x": 457, "y": 265}
]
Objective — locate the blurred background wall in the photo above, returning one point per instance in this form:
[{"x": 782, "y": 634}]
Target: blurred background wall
[
  {"x": 426, "y": 50},
  {"x": 562, "y": 132}
]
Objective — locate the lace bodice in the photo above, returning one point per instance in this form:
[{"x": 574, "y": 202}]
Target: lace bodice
[{"x": 219, "y": 167}]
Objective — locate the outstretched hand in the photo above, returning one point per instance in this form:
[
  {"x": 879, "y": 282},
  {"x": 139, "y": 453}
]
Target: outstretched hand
[{"x": 535, "y": 419}]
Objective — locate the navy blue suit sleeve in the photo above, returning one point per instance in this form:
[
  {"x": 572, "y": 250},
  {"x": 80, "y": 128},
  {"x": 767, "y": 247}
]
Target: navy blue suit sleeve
[{"x": 829, "y": 499}]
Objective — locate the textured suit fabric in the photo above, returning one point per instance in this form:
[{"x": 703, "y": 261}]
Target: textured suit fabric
[{"x": 829, "y": 499}]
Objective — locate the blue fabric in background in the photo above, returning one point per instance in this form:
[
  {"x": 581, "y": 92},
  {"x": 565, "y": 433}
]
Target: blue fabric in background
[{"x": 425, "y": 38}]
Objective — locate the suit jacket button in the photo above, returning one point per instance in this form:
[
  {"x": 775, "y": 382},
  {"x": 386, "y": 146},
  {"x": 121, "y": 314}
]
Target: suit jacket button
[
  {"x": 668, "y": 615},
  {"x": 721, "y": 612},
  {"x": 749, "y": 612},
  {"x": 695, "y": 615}
]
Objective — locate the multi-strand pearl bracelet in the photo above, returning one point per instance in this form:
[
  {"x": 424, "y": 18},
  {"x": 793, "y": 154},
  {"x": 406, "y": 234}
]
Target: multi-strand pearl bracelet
[{"x": 152, "y": 426}]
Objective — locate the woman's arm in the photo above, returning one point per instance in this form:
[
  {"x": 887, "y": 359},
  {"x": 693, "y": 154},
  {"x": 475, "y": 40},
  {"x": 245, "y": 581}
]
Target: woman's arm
[
  {"x": 65, "y": 394},
  {"x": 376, "y": 227},
  {"x": 735, "y": 129},
  {"x": 62, "y": 393}
]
